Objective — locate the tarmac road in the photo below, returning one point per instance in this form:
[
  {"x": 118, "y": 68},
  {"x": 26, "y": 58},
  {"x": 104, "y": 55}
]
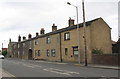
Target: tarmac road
[{"x": 37, "y": 68}]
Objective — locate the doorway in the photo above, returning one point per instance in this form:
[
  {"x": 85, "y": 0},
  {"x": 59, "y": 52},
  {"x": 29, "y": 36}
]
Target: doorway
[{"x": 30, "y": 54}]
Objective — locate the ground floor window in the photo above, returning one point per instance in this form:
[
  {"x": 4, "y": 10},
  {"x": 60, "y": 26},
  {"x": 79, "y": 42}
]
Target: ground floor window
[
  {"x": 53, "y": 52},
  {"x": 66, "y": 51},
  {"x": 48, "y": 53},
  {"x": 38, "y": 52},
  {"x": 18, "y": 53},
  {"x": 23, "y": 52},
  {"x": 75, "y": 51}
]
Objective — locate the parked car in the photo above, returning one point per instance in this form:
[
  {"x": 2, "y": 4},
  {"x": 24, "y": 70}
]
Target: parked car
[{"x": 2, "y": 57}]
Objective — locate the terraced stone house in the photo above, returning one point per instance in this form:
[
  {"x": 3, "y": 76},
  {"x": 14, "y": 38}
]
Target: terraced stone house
[{"x": 62, "y": 44}]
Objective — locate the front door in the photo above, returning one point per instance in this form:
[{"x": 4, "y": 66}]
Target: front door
[{"x": 30, "y": 54}]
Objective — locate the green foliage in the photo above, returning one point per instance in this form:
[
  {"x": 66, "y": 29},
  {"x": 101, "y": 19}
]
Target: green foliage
[
  {"x": 97, "y": 51},
  {"x": 4, "y": 53}
]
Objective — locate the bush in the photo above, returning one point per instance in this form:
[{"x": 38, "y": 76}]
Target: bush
[
  {"x": 97, "y": 51},
  {"x": 4, "y": 53}
]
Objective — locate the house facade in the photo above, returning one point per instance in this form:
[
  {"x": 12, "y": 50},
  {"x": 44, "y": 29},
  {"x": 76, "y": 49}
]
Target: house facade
[
  {"x": 62, "y": 44},
  {"x": 25, "y": 48},
  {"x": 10, "y": 49},
  {"x": 116, "y": 47}
]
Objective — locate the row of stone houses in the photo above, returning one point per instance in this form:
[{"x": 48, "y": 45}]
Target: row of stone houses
[{"x": 62, "y": 44}]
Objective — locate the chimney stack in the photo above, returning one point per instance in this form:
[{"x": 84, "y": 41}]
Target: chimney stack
[
  {"x": 54, "y": 28},
  {"x": 42, "y": 31},
  {"x": 37, "y": 34},
  {"x": 10, "y": 40},
  {"x": 19, "y": 38},
  {"x": 71, "y": 22},
  {"x": 24, "y": 38},
  {"x": 29, "y": 36}
]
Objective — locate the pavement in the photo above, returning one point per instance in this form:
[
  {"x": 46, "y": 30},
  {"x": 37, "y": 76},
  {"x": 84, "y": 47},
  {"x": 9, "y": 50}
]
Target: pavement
[
  {"x": 6, "y": 74},
  {"x": 100, "y": 66},
  {"x": 81, "y": 64},
  {"x": 104, "y": 66}
]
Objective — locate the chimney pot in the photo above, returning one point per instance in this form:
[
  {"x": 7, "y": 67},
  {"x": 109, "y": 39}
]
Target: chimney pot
[
  {"x": 29, "y": 36},
  {"x": 42, "y": 31},
  {"x": 24, "y": 38},
  {"x": 71, "y": 22},
  {"x": 54, "y": 28},
  {"x": 19, "y": 38},
  {"x": 37, "y": 33}
]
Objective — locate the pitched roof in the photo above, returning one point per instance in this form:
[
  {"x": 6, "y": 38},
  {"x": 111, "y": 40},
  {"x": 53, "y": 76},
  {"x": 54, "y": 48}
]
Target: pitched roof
[
  {"x": 68, "y": 28},
  {"x": 88, "y": 23},
  {"x": 113, "y": 42},
  {"x": 118, "y": 40}
]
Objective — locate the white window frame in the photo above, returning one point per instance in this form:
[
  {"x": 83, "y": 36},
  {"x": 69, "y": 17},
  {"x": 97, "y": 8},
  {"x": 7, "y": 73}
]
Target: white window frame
[
  {"x": 48, "y": 40},
  {"x": 48, "y": 52},
  {"x": 23, "y": 44},
  {"x": 67, "y": 36},
  {"x": 18, "y": 45},
  {"x": 36, "y": 42},
  {"x": 53, "y": 52}
]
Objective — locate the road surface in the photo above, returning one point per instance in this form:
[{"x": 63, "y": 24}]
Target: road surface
[{"x": 37, "y": 68}]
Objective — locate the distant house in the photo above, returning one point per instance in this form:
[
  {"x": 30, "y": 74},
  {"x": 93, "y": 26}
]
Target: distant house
[
  {"x": 10, "y": 49},
  {"x": 116, "y": 46},
  {"x": 62, "y": 44},
  {"x": 4, "y": 49}
]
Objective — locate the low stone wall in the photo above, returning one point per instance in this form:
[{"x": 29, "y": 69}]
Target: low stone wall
[{"x": 106, "y": 59}]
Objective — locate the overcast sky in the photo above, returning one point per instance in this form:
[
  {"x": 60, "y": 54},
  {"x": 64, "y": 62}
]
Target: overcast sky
[{"x": 21, "y": 17}]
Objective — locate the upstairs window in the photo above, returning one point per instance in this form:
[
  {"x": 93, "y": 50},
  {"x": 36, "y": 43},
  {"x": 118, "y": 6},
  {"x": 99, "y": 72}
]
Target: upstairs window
[
  {"x": 67, "y": 36},
  {"x": 23, "y": 44},
  {"x": 18, "y": 45},
  {"x": 48, "y": 40},
  {"x": 36, "y": 42},
  {"x": 53, "y": 52},
  {"x": 30, "y": 43},
  {"x": 15, "y": 46}
]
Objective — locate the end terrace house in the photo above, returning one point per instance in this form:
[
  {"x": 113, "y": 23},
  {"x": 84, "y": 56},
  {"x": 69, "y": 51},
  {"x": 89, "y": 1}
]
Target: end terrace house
[{"x": 62, "y": 44}]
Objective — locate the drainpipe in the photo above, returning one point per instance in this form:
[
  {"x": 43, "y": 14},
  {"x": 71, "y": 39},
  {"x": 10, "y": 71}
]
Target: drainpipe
[{"x": 60, "y": 49}]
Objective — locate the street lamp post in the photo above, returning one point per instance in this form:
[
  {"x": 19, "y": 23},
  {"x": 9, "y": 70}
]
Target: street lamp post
[
  {"x": 2, "y": 47},
  {"x": 78, "y": 31}
]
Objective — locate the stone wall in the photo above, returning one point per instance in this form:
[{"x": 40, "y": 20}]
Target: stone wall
[{"x": 106, "y": 59}]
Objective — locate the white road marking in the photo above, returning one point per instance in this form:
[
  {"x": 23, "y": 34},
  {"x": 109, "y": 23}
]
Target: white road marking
[
  {"x": 64, "y": 72},
  {"x": 31, "y": 65},
  {"x": 57, "y": 72},
  {"x": 60, "y": 63},
  {"x": 39, "y": 61},
  {"x": 28, "y": 65},
  {"x": 50, "y": 62},
  {"x": 15, "y": 62}
]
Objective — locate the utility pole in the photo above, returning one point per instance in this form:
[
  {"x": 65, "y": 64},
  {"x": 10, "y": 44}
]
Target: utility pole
[{"x": 84, "y": 25}]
